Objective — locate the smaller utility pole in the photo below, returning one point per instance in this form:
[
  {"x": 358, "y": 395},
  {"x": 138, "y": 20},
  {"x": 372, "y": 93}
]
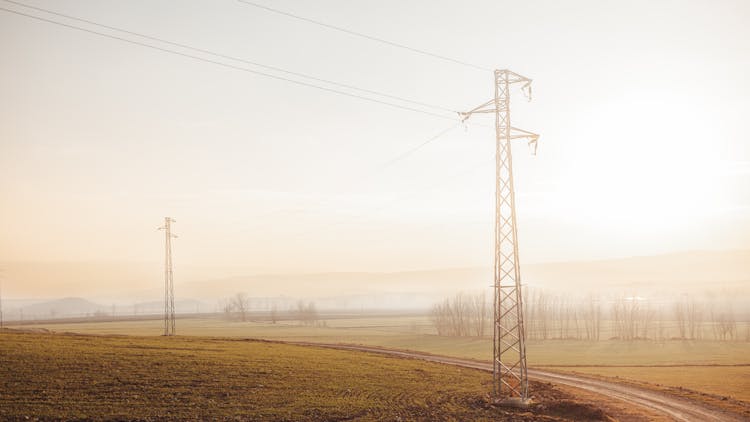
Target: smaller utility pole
[{"x": 169, "y": 329}]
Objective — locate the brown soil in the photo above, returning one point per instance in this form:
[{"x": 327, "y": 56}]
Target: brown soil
[{"x": 46, "y": 376}]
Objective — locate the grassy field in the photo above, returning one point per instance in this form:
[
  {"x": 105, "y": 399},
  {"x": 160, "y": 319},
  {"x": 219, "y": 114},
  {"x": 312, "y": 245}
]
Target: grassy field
[
  {"x": 726, "y": 381},
  {"x": 49, "y": 376},
  {"x": 414, "y": 332}
]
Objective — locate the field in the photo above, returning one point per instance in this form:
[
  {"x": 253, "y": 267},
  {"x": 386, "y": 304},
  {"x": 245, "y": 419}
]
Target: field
[
  {"x": 722, "y": 381},
  {"x": 720, "y": 368},
  {"x": 50, "y": 376}
]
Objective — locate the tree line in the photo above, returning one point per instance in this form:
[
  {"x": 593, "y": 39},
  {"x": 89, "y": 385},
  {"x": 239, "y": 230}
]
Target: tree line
[
  {"x": 625, "y": 317},
  {"x": 462, "y": 315},
  {"x": 238, "y": 308}
]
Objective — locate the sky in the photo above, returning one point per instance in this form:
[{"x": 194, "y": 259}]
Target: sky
[{"x": 641, "y": 106}]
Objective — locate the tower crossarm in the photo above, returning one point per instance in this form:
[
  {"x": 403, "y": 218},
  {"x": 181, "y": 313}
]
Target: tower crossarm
[
  {"x": 488, "y": 107},
  {"x": 515, "y": 133}
]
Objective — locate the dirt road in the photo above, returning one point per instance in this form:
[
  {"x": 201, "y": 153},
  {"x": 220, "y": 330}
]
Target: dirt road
[{"x": 673, "y": 407}]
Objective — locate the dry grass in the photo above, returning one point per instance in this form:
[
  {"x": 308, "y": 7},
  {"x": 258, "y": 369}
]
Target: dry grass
[
  {"x": 414, "y": 333},
  {"x": 723, "y": 381},
  {"x": 50, "y": 376},
  {"x": 707, "y": 384}
]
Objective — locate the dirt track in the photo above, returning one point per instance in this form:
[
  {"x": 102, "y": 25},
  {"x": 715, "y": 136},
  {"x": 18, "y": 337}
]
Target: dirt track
[{"x": 673, "y": 407}]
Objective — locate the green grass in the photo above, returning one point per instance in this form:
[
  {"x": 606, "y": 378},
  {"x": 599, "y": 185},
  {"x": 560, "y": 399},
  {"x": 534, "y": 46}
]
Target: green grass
[{"x": 103, "y": 377}]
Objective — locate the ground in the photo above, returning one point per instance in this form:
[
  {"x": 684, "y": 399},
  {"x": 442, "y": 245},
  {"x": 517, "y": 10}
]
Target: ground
[
  {"x": 68, "y": 376},
  {"x": 712, "y": 367}
]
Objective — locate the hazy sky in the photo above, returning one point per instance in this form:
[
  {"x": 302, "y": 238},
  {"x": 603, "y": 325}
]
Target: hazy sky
[{"x": 642, "y": 107}]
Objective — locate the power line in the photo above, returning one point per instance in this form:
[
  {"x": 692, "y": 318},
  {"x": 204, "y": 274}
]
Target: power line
[
  {"x": 376, "y": 171},
  {"x": 368, "y": 175},
  {"x": 405, "y": 197},
  {"x": 386, "y": 165},
  {"x": 238, "y": 59},
  {"x": 445, "y": 181},
  {"x": 416, "y": 148},
  {"x": 369, "y": 37},
  {"x": 227, "y": 65},
  {"x": 396, "y": 159}
]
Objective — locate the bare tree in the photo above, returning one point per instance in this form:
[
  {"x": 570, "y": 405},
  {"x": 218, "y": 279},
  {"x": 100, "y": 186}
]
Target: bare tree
[
  {"x": 645, "y": 319},
  {"x": 564, "y": 318},
  {"x": 680, "y": 314},
  {"x": 478, "y": 313},
  {"x": 461, "y": 315},
  {"x": 241, "y": 304},
  {"x": 439, "y": 317},
  {"x": 626, "y": 313},
  {"x": 694, "y": 312},
  {"x": 660, "y": 327},
  {"x": 307, "y": 314},
  {"x": 537, "y": 314},
  {"x": 529, "y": 313},
  {"x": 274, "y": 314},
  {"x": 592, "y": 317},
  {"x": 632, "y": 312},
  {"x": 724, "y": 324},
  {"x": 226, "y": 307},
  {"x": 544, "y": 315}
]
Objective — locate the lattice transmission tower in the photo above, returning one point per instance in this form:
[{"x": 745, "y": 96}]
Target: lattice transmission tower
[
  {"x": 169, "y": 326},
  {"x": 510, "y": 380}
]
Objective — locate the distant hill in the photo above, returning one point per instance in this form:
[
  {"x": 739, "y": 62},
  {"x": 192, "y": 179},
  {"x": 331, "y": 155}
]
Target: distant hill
[
  {"x": 713, "y": 272},
  {"x": 51, "y": 279},
  {"x": 395, "y": 290},
  {"x": 180, "y": 305},
  {"x": 69, "y": 306},
  {"x": 686, "y": 272}
]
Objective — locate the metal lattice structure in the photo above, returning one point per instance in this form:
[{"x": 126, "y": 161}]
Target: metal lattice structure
[
  {"x": 169, "y": 326},
  {"x": 510, "y": 380}
]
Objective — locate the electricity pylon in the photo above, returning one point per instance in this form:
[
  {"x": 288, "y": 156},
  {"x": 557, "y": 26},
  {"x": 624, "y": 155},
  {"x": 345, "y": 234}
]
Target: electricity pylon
[
  {"x": 510, "y": 380},
  {"x": 168, "y": 279}
]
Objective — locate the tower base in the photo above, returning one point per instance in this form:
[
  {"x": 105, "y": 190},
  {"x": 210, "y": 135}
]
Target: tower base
[{"x": 515, "y": 402}]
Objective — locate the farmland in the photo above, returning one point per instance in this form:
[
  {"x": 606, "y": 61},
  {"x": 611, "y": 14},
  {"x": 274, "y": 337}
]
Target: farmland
[
  {"x": 70, "y": 376},
  {"x": 720, "y": 368}
]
